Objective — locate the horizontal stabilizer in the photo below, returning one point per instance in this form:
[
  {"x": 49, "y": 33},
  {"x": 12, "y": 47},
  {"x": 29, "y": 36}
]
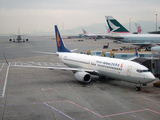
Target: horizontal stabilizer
[{"x": 44, "y": 52}]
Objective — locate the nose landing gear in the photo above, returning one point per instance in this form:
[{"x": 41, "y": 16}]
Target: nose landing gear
[{"x": 138, "y": 88}]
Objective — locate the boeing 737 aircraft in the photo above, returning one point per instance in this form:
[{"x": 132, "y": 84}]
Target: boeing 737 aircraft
[
  {"x": 84, "y": 65},
  {"x": 143, "y": 40}
]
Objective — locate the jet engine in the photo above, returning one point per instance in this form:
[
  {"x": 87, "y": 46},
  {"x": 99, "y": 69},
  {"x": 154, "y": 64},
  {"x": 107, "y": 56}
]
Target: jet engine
[{"x": 83, "y": 77}]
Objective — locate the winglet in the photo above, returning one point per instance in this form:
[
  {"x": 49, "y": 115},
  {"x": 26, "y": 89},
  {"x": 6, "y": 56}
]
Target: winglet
[
  {"x": 5, "y": 59},
  {"x": 136, "y": 56},
  {"x": 60, "y": 45},
  {"x": 136, "y": 50}
]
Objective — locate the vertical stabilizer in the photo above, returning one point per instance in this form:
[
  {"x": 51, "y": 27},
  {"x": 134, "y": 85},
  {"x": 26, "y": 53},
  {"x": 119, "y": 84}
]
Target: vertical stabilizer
[
  {"x": 115, "y": 26},
  {"x": 60, "y": 45},
  {"x": 84, "y": 31},
  {"x": 139, "y": 28}
]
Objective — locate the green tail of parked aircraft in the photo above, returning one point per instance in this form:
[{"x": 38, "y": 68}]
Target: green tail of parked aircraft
[{"x": 115, "y": 26}]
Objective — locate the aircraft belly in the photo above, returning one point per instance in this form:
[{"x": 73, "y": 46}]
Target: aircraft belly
[{"x": 125, "y": 78}]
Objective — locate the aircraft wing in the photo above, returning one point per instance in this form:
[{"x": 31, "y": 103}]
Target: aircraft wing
[
  {"x": 44, "y": 52},
  {"x": 132, "y": 58},
  {"x": 51, "y": 53},
  {"x": 57, "y": 68},
  {"x": 18, "y": 34}
]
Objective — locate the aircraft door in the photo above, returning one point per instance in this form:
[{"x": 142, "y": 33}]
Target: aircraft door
[
  {"x": 129, "y": 69},
  {"x": 90, "y": 64}
]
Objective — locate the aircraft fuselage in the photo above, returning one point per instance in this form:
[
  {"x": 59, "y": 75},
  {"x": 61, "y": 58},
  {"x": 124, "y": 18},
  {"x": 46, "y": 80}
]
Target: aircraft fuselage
[
  {"x": 128, "y": 71},
  {"x": 140, "y": 38}
]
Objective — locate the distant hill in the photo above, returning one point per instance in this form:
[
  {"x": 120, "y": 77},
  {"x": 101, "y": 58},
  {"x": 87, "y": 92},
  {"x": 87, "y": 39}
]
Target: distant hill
[{"x": 101, "y": 28}]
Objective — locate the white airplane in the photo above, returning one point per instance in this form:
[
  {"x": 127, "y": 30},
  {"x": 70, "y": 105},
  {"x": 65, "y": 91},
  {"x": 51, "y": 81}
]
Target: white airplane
[
  {"x": 94, "y": 35},
  {"x": 143, "y": 40},
  {"x": 83, "y": 66},
  {"x": 19, "y": 37}
]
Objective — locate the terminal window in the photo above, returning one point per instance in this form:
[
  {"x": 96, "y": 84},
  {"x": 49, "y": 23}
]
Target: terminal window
[
  {"x": 124, "y": 56},
  {"x": 141, "y": 55}
]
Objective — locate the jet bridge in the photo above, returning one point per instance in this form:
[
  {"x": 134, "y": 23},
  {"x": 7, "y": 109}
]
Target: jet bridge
[{"x": 153, "y": 64}]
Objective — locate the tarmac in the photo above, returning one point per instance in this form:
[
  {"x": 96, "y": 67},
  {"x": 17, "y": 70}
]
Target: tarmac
[{"x": 44, "y": 94}]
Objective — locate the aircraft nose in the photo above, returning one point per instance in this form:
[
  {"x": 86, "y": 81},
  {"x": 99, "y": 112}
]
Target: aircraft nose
[{"x": 149, "y": 77}]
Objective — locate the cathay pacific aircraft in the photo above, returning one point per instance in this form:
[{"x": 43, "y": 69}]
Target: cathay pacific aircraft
[
  {"x": 143, "y": 40},
  {"x": 83, "y": 66}
]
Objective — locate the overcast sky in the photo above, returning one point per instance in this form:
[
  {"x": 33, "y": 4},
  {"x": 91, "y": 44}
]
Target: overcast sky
[{"x": 42, "y": 15}]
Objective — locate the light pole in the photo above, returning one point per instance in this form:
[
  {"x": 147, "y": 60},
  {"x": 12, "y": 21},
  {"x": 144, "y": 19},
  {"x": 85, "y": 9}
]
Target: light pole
[
  {"x": 156, "y": 22},
  {"x": 129, "y": 24}
]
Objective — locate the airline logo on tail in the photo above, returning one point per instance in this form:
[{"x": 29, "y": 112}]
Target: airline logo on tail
[
  {"x": 109, "y": 30},
  {"x": 139, "y": 29},
  {"x": 115, "y": 26},
  {"x": 58, "y": 40},
  {"x": 112, "y": 26},
  {"x": 84, "y": 31}
]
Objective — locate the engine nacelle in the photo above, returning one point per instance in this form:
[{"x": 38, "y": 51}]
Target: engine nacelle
[{"x": 83, "y": 77}]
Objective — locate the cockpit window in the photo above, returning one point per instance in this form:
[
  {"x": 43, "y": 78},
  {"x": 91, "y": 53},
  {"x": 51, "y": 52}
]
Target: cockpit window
[
  {"x": 141, "y": 71},
  {"x": 145, "y": 70}
]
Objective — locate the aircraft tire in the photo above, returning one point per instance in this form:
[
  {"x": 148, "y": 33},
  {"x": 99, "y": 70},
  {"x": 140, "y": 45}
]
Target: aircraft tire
[{"x": 138, "y": 88}]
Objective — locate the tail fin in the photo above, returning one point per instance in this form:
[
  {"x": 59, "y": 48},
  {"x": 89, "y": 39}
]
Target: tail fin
[
  {"x": 84, "y": 31},
  {"x": 115, "y": 26},
  {"x": 60, "y": 45},
  {"x": 139, "y": 28}
]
